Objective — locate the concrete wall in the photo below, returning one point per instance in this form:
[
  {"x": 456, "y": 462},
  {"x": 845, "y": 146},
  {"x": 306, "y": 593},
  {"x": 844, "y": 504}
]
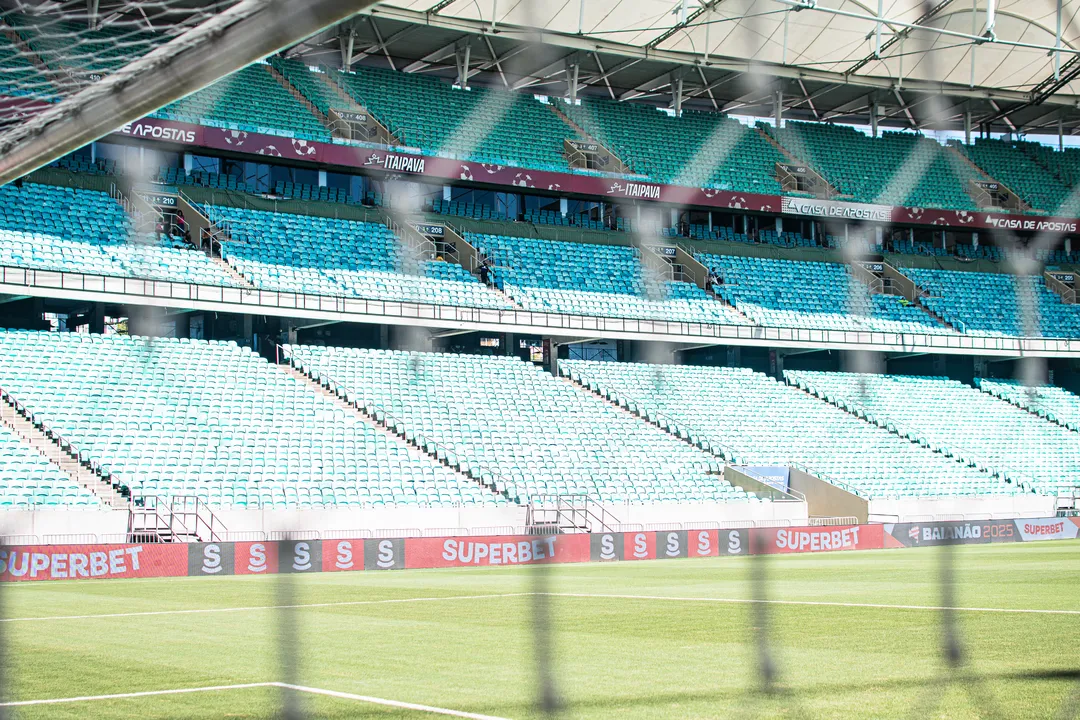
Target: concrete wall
[
  {"x": 1008, "y": 506},
  {"x": 710, "y": 512},
  {"x": 63, "y": 522},
  {"x": 363, "y": 519},
  {"x": 825, "y": 500}
]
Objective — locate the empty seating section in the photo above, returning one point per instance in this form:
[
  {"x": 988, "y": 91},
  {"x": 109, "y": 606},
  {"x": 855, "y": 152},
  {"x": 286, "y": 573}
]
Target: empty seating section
[
  {"x": 1064, "y": 164},
  {"x": 250, "y": 100},
  {"x": 959, "y": 420},
  {"x": 997, "y": 304},
  {"x": 342, "y": 258},
  {"x": 314, "y": 86},
  {"x": 895, "y": 169},
  {"x": 171, "y": 417},
  {"x": 27, "y": 479},
  {"x": 755, "y": 420},
  {"x": 1048, "y": 401},
  {"x": 18, "y": 76},
  {"x": 585, "y": 279},
  {"x": 702, "y": 149},
  {"x": 786, "y": 293},
  {"x": 480, "y": 124},
  {"x": 65, "y": 45},
  {"x": 476, "y": 211},
  {"x": 44, "y": 227},
  {"x": 1009, "y": 164},
  {"x": 513, "y": 424}
]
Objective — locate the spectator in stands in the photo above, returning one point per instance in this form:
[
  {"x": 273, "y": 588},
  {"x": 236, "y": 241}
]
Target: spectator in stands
[
  {"x": 485, "y": 271},
  {"x": 182, "y": 226}
]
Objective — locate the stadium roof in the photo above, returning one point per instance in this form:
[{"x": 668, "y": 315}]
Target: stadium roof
[{"x": 920, "y": 64}]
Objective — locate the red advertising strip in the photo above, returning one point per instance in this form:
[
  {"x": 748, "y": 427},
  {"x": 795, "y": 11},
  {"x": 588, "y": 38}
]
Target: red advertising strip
[
  {"x": 74, "y": 562},
  {"x": 404, "y": 163},
  {"x": 817, "y": 539},
  {"x": 639, "y": 546},
  {"x": 485, "y": 551},
  {"x": 256, "y": 558},
  {"x": 342, "y": 555}
]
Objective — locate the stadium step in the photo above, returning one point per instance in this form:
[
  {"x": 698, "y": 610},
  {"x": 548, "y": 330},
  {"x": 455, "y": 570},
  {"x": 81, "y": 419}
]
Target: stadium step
[
  {"x": 61, "y": 457},
  {"x": 958, "y": 156},
  {"x": 614, "y": 164},
  {"x": 60, "y": 77},
  {"x": 830, "y": 190},
  {"x": 291, "y": 89},
  {"x": 198, "y": 221},
  {"x": 413, "y": 446}
]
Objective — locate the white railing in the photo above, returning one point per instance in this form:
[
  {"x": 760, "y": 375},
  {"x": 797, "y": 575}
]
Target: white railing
[{"x": 137, "y": 288}]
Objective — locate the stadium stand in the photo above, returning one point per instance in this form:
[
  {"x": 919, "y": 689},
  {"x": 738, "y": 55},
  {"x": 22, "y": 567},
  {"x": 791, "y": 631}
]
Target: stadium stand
[
  {"x": 1047, "y": 401},
  {"x": 1064, "y": 164},
  {"x": 786, "y": 293},
  {"x": 957, "y": 420},
  {"x": 895, "y": 169},
  {"x": 172, "y": 417},
  {"x": 702, "y": 149},
  {"x": 101, "y": 50},
  {"x": 311, "y": 84},
  {"x": 755, "y": 420},
  {"x": 479, "y": 124},
  {"x": 343, "y": 258},
  {"x": 995, "y": 304},
  {"x": 249, "y": 100},
  {"x": 604, "y": 280},
  {"x": 29, "y": 480},
  {"x": 1008, "y": 163},
  {"x": 19, "y": 73},
  {"x": 44, "y": 227},
  {"x": 518, "y": 427}
]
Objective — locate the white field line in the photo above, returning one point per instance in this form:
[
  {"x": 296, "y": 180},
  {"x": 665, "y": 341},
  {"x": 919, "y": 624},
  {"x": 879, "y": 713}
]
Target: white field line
[
  {"x": 811, "y": 603},
  {"x": 390, "y": 703},
  {"x": 260, "y": 608},
  {"x": 299, "y": 688}
]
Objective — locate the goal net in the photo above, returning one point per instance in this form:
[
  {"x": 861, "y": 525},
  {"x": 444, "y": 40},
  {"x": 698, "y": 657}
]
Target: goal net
[{"x": 71, "y": 72}]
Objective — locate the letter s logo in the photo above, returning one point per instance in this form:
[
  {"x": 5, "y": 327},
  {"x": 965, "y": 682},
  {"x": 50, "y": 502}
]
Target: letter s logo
[
  {"x": 344, "y": 556},
  {"x": 641, "y": 548},
  {"x": 704, "y": 547},
  {"x": 385, "y": 558},
  {"x": 257, "y": 563},
  {"x": 302, "y": 557},
  {"x": 211, "y": 559},
  {"x": 734, "y": 543},
  {"x": 607, "y": 547},
  {"x": 673, "y": 545}
]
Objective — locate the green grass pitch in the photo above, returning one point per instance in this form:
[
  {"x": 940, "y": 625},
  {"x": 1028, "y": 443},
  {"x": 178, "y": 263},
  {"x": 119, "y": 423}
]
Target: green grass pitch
[{"x": 620, "y": 657}]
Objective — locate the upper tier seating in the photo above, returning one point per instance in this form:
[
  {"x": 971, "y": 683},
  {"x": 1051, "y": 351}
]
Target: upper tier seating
[
  {"x": 173, "y": 417},
  {"x": 701, "y": 149},
  {"x": 1064, "y": 164},
  {"x": 315, "y": 86},
  {"x": 996, "y": 304},
  {"x": 957, "y": 419},
  {"x": 787, "y": 293},
  {"x": 481, "y": 124},
  {"x": 18, "y": 76},
  {"x": 252, "y": 100},
  {"x": 63, "y": 44},
  {"x": 1011, "y": 165},
  {"x": 45, "y": 227},
  {"x": 894, "y": 169},
  {"x": 1048, "y": 401},
  {"x": 514, "y": 424},
  {"x": 585, "y": 279},
  {"x": 756, "y": 420},
  {"x": 27, "y": 479},
  {"x": 343, "y": 258}
]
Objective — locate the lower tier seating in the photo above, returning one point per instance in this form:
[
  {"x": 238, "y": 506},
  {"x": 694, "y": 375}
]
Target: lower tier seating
[
  {"x": 586, "y": 279},
  {"x": 755, "y": 420},
  {"x": 958, "y": 420},
  {"x": 519, "y": 427},
  {"x": 29, "y": 480},
  {"x": 186, "y": 417},
  {"x": 1053, "y": 403}
]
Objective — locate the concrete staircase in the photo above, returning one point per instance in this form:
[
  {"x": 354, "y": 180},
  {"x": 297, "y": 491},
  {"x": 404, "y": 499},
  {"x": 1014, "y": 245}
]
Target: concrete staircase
[
  {"x": 413, "y": 446},
  {"x": 284, "y": 82},
  {"x": 51, "y": 450}
]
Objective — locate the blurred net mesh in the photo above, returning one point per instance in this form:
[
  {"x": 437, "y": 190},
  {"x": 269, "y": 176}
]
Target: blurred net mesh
[{"x": 51, "y": 51}]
